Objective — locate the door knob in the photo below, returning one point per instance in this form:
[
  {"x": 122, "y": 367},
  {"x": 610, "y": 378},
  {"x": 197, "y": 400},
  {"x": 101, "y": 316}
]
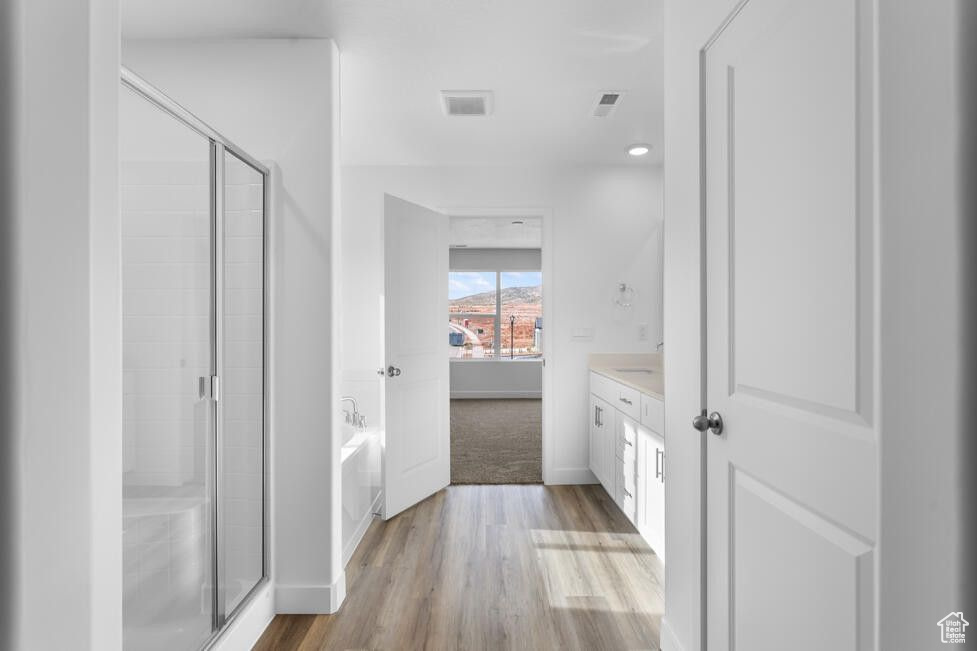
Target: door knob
[
  {"x": 392, "y": 371},
  {"x": 712, "y": 422}
]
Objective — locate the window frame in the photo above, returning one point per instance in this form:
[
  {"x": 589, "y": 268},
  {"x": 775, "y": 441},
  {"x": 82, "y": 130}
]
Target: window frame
[{"x": 497, "y": 315}]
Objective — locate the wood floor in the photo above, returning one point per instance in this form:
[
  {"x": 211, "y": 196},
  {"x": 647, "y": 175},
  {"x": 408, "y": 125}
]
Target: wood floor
[{"x": 493, "y": 567}]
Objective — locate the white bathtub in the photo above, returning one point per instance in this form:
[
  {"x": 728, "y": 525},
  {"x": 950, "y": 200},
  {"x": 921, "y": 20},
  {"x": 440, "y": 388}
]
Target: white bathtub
[{"x": 361, "y": 486}]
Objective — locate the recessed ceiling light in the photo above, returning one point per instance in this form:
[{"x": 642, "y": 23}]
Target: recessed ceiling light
[{"x": 639, "y": 149}]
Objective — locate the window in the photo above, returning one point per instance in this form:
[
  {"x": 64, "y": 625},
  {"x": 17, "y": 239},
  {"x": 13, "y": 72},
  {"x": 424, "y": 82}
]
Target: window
[
  {"x": 495, "y": 314},
  {"x": 521, "y": 298}
]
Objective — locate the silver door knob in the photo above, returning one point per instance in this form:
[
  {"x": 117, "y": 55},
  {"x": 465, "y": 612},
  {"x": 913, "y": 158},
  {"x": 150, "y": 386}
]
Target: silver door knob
[
  {"x": 392, "y": 371},
  {"x": 713, "y": 422}
]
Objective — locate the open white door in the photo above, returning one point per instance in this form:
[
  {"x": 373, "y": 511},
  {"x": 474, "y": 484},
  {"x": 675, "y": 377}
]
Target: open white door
[
  {"x": 791, "y": 327},
  {"x": 417, "y": 456}
]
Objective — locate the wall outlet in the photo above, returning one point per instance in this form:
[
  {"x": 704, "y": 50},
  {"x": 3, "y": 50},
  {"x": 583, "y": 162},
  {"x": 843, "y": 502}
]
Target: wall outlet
[{"x": 642, "y": 332}]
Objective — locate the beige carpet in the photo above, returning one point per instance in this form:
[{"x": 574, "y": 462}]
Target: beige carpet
[{"x": 496, "y": 442}]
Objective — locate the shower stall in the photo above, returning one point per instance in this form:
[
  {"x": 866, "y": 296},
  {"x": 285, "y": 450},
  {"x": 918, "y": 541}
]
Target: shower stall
[{"x": 194, "y": 210}]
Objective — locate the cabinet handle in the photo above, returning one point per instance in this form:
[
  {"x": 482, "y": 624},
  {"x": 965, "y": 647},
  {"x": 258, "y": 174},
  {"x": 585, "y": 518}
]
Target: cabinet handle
[
  {"x": 624, "y": 400},
  {"x": 596, "y": 423},
  {"x": 600, "y": 420},
  {"x": 627, "y": 442},
  {"x": 658, "y": 470},
  {"x": 627, "y": 493}
]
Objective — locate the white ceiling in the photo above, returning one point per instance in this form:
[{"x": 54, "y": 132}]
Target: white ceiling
[
  {"x": 225, "y": 18},
  {"x": 545, "y": 60},
  {"x": 496, "y": 232}
]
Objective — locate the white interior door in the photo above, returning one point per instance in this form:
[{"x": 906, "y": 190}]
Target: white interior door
[
  {"x": 416, "y": 461},
  {"x": 791, "y": 327}
]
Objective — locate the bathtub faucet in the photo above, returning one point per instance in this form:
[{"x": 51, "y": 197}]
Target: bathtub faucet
[{"x": 356, "y": 419}]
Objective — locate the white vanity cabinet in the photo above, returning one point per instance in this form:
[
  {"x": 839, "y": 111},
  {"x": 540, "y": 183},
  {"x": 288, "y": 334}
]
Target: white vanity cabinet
[{"x": 627, "y": 453}]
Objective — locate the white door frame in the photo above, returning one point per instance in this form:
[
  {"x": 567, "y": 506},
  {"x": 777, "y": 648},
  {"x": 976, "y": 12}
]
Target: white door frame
[{"x": 545, "y": 214}]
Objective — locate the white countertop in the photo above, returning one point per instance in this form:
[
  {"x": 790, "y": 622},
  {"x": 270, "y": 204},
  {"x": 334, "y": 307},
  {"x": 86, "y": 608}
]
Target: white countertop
[{"x": 640, "y": 371}]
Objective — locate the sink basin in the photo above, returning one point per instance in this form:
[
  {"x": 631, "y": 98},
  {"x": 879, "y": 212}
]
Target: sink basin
[{"x": 647, "y": 371}]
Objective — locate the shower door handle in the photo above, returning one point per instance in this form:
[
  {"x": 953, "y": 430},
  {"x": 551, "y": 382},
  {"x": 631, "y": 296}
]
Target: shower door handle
[{"x": 209, "y": 388}]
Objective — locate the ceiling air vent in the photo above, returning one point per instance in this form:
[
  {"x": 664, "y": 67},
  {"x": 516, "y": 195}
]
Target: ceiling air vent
[
  {"x": 607, "y": 102},
  {"x": 466, "y": 102}
]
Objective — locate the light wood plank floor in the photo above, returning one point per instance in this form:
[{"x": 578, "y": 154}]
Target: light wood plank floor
[{"x": 493, "y": 567}]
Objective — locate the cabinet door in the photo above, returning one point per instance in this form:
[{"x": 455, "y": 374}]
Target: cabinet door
[
  {"x": 651, "y": 490},
  {"x": 611, "y": 422},
  {"x": 625, "y": 437},
  {"x": 596, "y": 440}
]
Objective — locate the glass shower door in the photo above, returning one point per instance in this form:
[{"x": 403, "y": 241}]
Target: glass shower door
[
  {"x": 168, "y": 358},
  {"x": 194, "y": 466},
  {"x": 241, "y": 438}
]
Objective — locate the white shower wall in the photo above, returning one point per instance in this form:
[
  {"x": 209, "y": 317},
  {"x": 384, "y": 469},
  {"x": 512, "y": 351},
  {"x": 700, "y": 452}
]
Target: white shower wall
[{"x": 166, "y": 320}]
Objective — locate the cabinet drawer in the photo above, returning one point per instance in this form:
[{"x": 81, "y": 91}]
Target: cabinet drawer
[
  {"x": 604, "y": 388},
  {"x": 621, "y": 397},
  {"x": 653, "y": 414},
  {"x": 628, "y": 401}
]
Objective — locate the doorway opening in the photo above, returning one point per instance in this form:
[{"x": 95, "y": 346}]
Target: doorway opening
[{"x": 495, "y": 320}]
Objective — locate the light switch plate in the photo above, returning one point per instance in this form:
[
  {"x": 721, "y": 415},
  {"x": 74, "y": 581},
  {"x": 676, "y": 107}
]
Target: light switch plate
[{"x": 582, "y": 334}]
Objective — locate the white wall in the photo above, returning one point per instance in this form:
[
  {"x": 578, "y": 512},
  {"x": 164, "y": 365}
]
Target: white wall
[
  {"x": 496, "y": 379},
  {"x": 928, "y": 163},
  {"x": 687, "y": 29},
  {"x": 60, "y": 342},
  {"x": 604, "y": 230},
  {"x": 277, "y": 100}
]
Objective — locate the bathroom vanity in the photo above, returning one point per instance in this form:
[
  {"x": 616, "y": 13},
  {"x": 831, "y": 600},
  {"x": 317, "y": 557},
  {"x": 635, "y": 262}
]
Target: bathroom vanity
[{"x": 627, "y": 438}]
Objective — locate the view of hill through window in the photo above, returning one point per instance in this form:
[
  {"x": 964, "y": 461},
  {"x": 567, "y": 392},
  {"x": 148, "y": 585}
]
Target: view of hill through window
[{"x": 496, "y": 314}]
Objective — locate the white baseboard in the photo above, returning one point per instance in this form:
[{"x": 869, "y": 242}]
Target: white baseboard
[
  {"x": 245, "y": 629},
  {"x": 557, "y": 476},
  {"x": 310, "y": 599},
  {"x": 669, "y": 641},
  {"x": 496, "y": 395},
  {"x": 361, "y": 528}
]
